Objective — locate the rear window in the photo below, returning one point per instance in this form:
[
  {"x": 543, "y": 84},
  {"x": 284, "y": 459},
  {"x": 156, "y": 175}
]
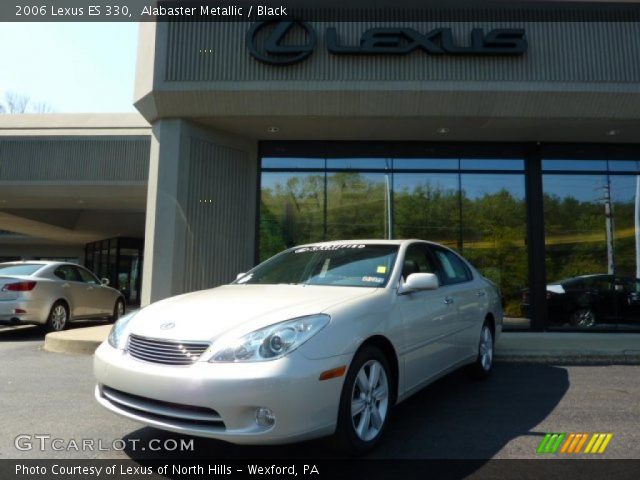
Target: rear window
[{"x": 26, "y": 269}]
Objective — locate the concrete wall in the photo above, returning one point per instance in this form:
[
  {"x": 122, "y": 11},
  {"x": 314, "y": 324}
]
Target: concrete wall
[
  {"x": 74, "y": 159},
  {"x": 572, "y": 70},
  {"x": 568, "y": 52},
  {"x": 25, "y": 249},
  {"x": 201, "y": 209}
]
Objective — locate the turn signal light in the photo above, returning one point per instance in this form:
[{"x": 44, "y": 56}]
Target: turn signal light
[
  {"x": 19, "y": 287},
  {"x": 334, "y": 373}
]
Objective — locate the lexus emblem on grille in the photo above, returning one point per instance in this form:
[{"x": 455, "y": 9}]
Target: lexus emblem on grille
[{"x": 167, "y": 326}]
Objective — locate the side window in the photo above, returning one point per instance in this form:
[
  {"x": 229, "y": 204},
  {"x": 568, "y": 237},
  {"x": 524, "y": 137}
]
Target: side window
[
  {"x": 417, "y": 259},
  {"x": 603, "y": 284},
  {"x": 85, "y": 276},
  {"x": 67, "y": 273},
  {"x": 453, "y": 268}
]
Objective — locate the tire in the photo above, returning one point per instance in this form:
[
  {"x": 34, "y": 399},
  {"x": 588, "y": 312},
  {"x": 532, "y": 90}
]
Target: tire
[
  {"x": 118, "y": 310},
  {"x": 58, "y": 318},
  {"x": 483, "y": 366},
  {"x": 583, "y": 318},
  {"x": 358, "y": 432}
]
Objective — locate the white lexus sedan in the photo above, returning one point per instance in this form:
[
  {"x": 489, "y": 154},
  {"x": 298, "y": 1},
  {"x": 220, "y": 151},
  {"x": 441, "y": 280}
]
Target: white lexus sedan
[{"x": 321, "y": 339}]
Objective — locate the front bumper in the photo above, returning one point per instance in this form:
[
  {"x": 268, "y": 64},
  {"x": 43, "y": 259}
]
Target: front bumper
[{"x": 188, "y": 399}]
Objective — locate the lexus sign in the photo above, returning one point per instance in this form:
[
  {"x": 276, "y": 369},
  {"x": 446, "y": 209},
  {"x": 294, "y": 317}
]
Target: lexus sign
[{"x": 269, "y": 42}]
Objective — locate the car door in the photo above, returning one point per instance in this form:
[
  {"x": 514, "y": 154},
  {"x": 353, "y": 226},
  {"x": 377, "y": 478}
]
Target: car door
[
  {"x": 427, "y": 318},
  {"x": 469, "y": 296},
  {"x": 628, "y": 299},
  {"x": 96, "y": 297},
  {"x": 73, "y": 288}
]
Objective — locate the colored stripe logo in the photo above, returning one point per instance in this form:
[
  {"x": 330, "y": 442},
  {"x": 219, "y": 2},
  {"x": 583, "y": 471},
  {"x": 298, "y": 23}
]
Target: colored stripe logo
[{"x": 573, "y": 443}]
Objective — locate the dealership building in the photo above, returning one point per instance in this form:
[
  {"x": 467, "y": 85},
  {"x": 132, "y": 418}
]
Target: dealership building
[{"x": 514, "y": 141}]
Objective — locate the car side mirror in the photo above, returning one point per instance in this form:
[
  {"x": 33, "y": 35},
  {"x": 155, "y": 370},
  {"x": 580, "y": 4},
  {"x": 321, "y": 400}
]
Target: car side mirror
[
  {"x": 420, "y": 281},
  {"x": 240, "y": 275},
  {"x": 104, "y": 281}
]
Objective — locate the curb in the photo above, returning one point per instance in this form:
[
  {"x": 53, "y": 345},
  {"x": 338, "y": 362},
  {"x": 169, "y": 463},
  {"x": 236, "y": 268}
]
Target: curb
[{"x": 79, "y": 341}]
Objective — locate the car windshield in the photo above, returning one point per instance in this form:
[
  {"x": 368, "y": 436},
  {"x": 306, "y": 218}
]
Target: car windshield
[
  {"x": 348, "y": 265},
  {"x": 22, "y": 269}
]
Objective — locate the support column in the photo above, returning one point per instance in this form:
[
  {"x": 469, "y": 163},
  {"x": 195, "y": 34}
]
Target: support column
[{"x": 201, "y": 209}]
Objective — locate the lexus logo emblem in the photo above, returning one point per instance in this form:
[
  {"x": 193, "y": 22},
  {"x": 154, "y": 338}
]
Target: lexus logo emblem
[
  {"x": 286, "y": 42},
  {"x": 267, "y": 42},
  {"x": 167, "y": 326}
]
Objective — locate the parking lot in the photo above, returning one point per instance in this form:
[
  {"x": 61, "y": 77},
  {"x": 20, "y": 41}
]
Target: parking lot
[{"x": 44, "y": 393}]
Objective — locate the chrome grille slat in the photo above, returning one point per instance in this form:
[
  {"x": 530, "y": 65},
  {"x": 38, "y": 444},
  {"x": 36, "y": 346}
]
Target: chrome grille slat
[
  {"x": 163, "y": 352},
  {"x": 164, "y": 409},
  {"x": 169, "y": 343},
  {"x": 166, "y": 352},
  {"x": 160, "y": 356}
]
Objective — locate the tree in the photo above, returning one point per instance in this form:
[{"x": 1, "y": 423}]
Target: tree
[
  {"x": 17, "y": 103},
  {"x": 42, "y": 107}
]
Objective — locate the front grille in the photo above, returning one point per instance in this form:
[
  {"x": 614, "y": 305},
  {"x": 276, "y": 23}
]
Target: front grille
[
  {"x": 167, "y": 352},
  {"x": 158, "y": 410}
]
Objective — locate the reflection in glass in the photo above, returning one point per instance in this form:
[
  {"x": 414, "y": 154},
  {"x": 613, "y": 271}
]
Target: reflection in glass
[
  {"x": 491, "y": 164},
  {"x": 292, "y": 162},
  {"x": 357, "y": 205},
  {"x": 494, "y": 231},
  {"x": 427, "y": 206},
  {"x": 426, "y": 163},
  {"x": 576, "y": 165},
  {"x": 359, "y": 163},
  {"x": 292, "y": 211},
  {"x": 624, "y": 166},
  {"x": 591, "y": 251}
]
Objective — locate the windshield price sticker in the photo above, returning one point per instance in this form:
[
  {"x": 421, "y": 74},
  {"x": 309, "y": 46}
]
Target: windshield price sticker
[
  {"x": 373, "y": 279},
  {"x": 321, "y": 248}
]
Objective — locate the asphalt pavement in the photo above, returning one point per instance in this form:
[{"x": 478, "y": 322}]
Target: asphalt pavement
[{"x": 51, "y": 394}]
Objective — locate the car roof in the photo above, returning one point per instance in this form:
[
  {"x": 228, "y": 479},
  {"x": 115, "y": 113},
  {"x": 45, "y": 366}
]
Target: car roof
[{"x": 37, "y": 262}]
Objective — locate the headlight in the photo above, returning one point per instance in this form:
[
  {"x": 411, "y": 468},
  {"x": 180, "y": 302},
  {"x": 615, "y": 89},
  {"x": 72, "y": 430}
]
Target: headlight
[
  {"x": 268, "y": 343},
  {"x": 115, "y": 336}
]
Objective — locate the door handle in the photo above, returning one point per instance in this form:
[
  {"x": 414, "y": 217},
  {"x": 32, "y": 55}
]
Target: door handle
[
  {"x": 448, "y": 300},
  {"x": 480, "y": 293}
]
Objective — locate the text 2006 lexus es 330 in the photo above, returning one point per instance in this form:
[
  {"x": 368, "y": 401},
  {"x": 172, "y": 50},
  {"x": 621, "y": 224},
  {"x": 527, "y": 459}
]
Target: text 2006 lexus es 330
[{"x": 320, "y": 339}]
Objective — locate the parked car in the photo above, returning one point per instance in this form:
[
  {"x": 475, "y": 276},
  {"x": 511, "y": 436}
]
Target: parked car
[
  {"x": 586, "y": 300},
  {"x": 320, "y": 339},
  {"x": 52, "y": 294}
]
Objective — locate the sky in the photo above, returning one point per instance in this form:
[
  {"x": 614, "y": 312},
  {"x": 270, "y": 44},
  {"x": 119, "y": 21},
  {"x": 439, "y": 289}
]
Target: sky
[{"x": 73, "y": 67}]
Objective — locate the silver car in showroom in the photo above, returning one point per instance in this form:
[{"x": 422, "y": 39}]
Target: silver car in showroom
[
  {"x": 320, "y": 339},
  {"x": 52, "y": 294}
]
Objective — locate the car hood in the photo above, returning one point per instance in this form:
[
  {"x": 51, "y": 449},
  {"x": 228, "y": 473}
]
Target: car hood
[{"x": 208, "y": 314}]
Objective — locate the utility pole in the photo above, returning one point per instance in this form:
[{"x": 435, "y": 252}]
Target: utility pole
[
  {"x": 637, "y": 225},
  {"x": 608, "y": 214}
]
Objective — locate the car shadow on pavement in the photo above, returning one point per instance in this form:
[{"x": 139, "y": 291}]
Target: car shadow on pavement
[{"x": 454, "y": 418}]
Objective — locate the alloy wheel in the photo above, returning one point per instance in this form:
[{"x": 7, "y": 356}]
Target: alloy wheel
[
  {"x": 584, "y": 318},
  {"x": 119, "y": 309},
  {"x": 369, "y": 400},
  {"x": 486, "y": 348},
  {"x": 58, "y": 318}
]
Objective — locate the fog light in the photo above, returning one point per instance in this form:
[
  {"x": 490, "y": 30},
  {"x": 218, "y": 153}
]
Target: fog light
[{"x": 265, "y": 417}]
